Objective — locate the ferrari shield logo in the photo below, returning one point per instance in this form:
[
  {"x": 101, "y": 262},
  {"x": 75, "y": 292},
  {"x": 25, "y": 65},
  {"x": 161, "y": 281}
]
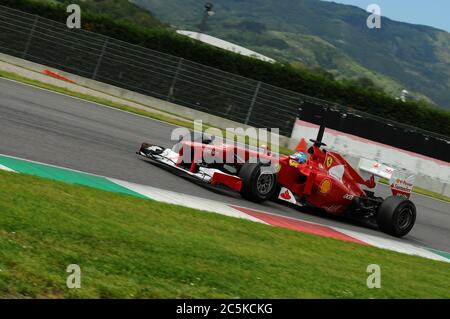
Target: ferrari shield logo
[
  {"x": 329, "y": 161},
  {"x": 325, "y": 186}
]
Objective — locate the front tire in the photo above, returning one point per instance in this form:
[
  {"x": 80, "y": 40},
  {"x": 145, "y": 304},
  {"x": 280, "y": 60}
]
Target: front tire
[
  {"x": 396, "y": 216},
  {"x": 257, "y": 186}
]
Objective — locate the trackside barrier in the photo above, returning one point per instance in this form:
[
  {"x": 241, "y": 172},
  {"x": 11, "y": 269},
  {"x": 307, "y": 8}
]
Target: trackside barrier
[{"x": 57, "y": 76}]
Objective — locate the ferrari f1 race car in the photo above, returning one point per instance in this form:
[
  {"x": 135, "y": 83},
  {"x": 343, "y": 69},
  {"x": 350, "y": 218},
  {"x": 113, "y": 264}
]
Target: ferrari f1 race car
[{"x": 316, "y": 177}]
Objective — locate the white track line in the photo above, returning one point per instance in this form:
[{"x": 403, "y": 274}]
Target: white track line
[
  {"x": 392, "y": 244},
  {"x": 4, "y": 168},
  {"x": 184, "y": 200}
]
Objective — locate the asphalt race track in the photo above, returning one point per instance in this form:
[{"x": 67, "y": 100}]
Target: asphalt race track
[{"x": 47, "y": 127}]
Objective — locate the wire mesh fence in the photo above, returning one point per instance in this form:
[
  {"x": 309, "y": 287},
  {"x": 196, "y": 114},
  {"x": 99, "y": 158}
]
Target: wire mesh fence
[
  {"x": 164, "y": 76},
  {"x": 146, "y": 71}
]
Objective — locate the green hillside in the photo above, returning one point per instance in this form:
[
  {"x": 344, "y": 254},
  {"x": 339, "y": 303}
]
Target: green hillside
[
  {"x": 332, "y": 36},
  {"x": 117, "y": 9}
]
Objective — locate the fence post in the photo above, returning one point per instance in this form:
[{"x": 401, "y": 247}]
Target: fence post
[
  {"x": 99, "y": 61},
  {"x": 30, "y": 37},
  {"x": 252, "y": 104},
  {"x": 174, "y": 80}
]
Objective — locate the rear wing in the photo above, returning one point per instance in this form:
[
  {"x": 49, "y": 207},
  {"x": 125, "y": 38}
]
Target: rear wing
[{"x": 401, "y": 182}]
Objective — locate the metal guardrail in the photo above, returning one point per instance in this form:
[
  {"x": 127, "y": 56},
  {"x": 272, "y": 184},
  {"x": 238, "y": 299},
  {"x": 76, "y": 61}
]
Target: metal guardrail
[{"x": 161, "y": 75}]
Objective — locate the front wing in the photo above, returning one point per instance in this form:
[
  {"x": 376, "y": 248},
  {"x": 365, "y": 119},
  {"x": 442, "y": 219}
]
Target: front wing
[{"x": 171, "y": 159}]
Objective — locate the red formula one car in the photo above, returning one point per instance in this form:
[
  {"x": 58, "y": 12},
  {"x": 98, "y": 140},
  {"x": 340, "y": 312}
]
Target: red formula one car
[{"x": 317, "y": 177}]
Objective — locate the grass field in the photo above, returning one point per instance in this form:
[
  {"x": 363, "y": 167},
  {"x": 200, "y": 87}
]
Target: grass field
[{"x": 134, "y": 248}]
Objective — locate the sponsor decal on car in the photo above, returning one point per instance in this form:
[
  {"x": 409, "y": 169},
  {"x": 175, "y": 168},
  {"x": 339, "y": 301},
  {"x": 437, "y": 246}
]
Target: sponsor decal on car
[
  {"x": 333, "y": 208},
  {"x": 286, "y": 195},
  {"x": 349, "y": 196},
  {"x": 325, "y": 186},
  {"x": 402, "y": 186},
  {"x": 293, "y": 163}
]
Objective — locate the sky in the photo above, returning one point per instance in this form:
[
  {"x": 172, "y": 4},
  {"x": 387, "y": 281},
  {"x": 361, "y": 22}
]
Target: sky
[{"x": 435, "y": 13}]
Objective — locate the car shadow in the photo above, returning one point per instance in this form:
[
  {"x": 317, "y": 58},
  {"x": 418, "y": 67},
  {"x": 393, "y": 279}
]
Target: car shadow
[{"x": 317, "y": 212}]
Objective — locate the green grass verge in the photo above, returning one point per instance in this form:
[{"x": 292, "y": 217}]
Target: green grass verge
[
  {"x": 169, "y": 118},
  {"x": 134, "y": 248},
  {"x": 426, "y": 192}
]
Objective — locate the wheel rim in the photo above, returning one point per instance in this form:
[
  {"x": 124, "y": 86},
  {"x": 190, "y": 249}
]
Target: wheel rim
[
  {"x": 264, "y": 183},
  {"x": 405, "y": 217}
]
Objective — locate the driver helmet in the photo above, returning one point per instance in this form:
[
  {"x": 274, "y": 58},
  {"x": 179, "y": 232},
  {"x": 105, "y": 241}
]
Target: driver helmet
[{"x": 298, "y": 158}]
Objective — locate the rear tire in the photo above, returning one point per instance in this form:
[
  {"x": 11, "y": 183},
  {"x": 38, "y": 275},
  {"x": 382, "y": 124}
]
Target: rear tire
[
  {"x": 257, "y": 187},
  {"x": 396, "y": 216}
]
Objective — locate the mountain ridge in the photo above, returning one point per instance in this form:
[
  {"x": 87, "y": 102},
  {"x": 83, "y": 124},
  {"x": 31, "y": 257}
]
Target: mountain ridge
[{"x": 398, "y": 56}]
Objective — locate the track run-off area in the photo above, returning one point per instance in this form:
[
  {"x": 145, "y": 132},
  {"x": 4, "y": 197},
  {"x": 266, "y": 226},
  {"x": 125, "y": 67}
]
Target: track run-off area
[{"x": 56, "y": 129}]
